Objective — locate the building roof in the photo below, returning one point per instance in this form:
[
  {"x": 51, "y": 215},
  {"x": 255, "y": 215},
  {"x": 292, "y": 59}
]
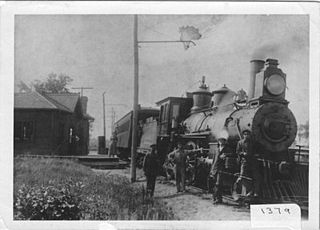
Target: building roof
[
  {"x": 87, "y": 116},
  {"x": 32, "y": 100},
  {"x": 173, "y": 99},
  {"x": 66, "y": 102}
]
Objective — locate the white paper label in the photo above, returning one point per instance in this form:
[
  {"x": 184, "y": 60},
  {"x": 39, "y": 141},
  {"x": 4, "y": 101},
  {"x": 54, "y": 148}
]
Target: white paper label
[{"x": 275, "y": 216}]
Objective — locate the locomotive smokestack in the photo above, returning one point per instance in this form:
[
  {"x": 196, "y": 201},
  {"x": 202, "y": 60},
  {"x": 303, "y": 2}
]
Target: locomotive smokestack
[{"x": 256, "y": 67}]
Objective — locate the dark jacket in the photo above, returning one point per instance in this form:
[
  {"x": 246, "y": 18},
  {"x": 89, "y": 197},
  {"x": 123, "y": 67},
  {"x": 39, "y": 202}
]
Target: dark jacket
[
  {"x": 151, "y": 164},
  {"x": 219, "y": 163},
  {"x": 245, "y": 146}
]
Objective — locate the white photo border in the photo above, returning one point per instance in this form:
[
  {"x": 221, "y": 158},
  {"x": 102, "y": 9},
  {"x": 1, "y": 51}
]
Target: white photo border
[{"x": 10, "y": 9}]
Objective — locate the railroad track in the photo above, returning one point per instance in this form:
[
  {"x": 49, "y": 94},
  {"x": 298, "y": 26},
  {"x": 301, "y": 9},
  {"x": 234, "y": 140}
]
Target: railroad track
[{"x": 245, "y": 201}]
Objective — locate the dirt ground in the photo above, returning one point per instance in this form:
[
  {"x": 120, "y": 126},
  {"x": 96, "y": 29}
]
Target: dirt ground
[{"x": 191, "y": 205}]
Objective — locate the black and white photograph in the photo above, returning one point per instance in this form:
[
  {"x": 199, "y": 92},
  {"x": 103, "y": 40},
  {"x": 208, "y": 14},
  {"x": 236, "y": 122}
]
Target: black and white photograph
[{"x": 163, "y": 116}]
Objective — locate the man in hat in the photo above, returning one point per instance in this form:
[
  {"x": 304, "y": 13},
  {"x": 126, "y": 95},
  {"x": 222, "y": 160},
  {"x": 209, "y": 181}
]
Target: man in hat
[
  {"x": 218, "y": 165},
  {"x": 248, "y": 164},
  {"x": 150, "y": 168},
  {"x": 180, "y": 156}
]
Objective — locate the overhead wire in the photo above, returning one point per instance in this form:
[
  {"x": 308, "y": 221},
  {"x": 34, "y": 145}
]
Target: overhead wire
[{"x": 154, "y": 30}]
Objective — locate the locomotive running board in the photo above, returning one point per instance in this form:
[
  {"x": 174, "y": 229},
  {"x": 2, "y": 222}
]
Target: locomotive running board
[{"x": 196, "y": 135}]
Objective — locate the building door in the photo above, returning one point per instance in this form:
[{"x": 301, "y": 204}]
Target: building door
[{"x": 71, "y": 141}]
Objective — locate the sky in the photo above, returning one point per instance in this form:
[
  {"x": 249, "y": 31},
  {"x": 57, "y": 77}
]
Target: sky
[{"x": 97, "y": 51}]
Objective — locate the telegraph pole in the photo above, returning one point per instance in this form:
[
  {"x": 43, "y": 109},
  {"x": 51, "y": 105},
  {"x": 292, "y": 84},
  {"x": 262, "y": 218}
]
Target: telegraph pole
[
  {"x": 104, "y": 116},
  {"x": 113, "y": 118},
  {"x": 135, "y": 99}
]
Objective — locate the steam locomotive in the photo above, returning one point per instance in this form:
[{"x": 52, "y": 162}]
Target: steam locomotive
[{"x": 199, "y": 119}]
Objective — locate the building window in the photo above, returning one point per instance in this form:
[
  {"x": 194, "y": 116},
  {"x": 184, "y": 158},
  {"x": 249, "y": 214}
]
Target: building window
[
  {"x": 23, "y": 131},
  {"x": 175, "y": 111},
  {"x": 165, "y": 113}
]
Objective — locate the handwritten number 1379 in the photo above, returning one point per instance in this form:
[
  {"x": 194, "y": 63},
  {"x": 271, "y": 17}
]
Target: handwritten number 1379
[{"x": 271, "y": 211}]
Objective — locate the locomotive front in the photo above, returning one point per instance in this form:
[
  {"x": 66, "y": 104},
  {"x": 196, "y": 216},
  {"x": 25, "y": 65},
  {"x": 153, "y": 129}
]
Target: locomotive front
[{"x": 267, "y": 115}]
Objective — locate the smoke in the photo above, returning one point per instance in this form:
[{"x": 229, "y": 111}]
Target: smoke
[
  {"x": 223, "y": 134},
  {"x": 214, "y": 21},
  {"x": 283, "y": 39},
  {"x": 267, "y": 50},
  {"x": 281, "y": 50}
]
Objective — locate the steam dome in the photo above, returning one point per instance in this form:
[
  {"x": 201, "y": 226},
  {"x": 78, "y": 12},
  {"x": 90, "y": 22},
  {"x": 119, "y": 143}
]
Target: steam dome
[{"x": 201, "y": 97}]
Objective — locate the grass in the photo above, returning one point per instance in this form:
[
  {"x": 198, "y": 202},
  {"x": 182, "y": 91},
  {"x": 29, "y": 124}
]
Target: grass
[{"x": 96, "y": 196}]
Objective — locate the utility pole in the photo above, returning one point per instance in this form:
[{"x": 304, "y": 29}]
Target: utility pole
[
  {"x": 113, "y": 118},
  {"x": 135, "y": 100},
  {"x": 81, "y": 89},
  {"x": 136, "y": 90},
  {"x": 104, "y": 116}
]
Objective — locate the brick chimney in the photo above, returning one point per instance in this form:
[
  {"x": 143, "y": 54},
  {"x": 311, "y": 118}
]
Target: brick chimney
[{"x": 84, "y": 102}]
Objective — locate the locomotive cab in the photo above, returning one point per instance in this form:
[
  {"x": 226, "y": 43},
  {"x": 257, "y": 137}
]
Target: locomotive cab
[{"x": 173, "y": 110}]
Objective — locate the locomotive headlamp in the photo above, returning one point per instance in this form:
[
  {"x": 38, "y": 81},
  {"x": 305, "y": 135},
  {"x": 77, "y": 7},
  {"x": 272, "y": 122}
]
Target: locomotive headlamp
[{"x": 275, "y": 84}]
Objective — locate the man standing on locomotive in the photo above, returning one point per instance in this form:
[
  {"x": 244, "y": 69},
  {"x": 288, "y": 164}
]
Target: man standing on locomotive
[
  {"x": 218, "y": 165},
  {"x": 150, "y": 168},
  {"x": 248, "y": 163}
]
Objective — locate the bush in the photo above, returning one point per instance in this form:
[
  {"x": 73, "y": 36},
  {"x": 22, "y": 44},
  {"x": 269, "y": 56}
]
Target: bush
[
  {"x": 56, "y": 202},
  {"x": 50, "y": 189}
]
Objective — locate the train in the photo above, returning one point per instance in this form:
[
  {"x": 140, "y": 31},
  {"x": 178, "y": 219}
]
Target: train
[{"x": 200, "y": 118}]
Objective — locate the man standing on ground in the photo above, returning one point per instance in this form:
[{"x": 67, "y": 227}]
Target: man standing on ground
[
  {"x": 180, "y": 159},
  {"x": 248, "y": 164},
  {"x": 218, "y": 165},
  {"x": 180, "y": 156},
  {"x": 150, "y": 168}
]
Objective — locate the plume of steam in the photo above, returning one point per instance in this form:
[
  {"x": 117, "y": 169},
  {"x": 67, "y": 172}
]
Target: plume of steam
[
  {"x": 218, "y": 129},
  {"x": 223, "y": 134}
]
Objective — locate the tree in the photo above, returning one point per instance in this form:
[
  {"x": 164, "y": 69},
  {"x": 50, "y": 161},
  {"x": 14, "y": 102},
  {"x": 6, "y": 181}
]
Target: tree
[
  {"x": 53, "y": 84},
  {"x": 303, "y": 133}
]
